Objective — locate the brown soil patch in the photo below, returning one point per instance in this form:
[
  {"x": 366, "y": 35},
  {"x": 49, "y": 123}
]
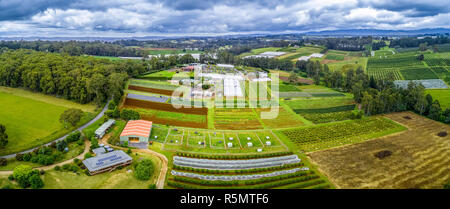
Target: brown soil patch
[
  {"x": 175, "y": 122},
  {"x": 442, "y": 134},
  {"x": 421, "y": 158},
  {"x": 134, "y": 103},
  {"x": 152, "y": 90},
  {"x": 300, "y": 80}
]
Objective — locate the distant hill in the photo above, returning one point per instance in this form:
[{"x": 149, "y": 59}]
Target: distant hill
[
  {"x": 376, "y": 32},
  {"x": 348, "y": 32}
]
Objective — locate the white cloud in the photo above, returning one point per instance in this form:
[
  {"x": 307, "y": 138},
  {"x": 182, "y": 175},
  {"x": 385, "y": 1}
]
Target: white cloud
[{"x": 230, "y": 16}]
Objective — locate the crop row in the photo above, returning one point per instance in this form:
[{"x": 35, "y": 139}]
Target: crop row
[
  {"x": 437, "y": 62},
  {"x": 328, "y": 117},
  {"x": 384, "y": 73},
  {"x": 393, "y": 61},
  {"x": 189, "y": 183},
  {"x": 338, "y": 131},
  {"x": 326, "y": 110},
  {"x": 300, "y": 182},
  {"x": 254, "y": 170},
  {"x": 234, "y": 157}
]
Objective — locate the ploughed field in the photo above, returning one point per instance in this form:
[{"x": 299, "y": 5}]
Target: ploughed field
[{"x": 418, "y": 158}]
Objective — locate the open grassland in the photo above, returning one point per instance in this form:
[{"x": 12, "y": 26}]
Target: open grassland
[
  {"x": 419, "y": 158},
  {"x": 294, "y": 53},
  {"x": 48, "y": 99},
  {"x": 443, "y": 95},
  {"x": 259, "y": 51},
  {"x": 349, "y": 62},
  {"x": 323, "y": 136},
  {"x": 30, "y": 123}
]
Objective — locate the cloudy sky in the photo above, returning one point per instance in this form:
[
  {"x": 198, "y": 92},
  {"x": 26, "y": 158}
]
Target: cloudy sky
[{"x": 173, "y": 17}]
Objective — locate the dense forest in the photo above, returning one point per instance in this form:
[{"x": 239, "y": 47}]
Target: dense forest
[
  {"x": 82, "y": 79},
  {"x": 415, "y": 42}
]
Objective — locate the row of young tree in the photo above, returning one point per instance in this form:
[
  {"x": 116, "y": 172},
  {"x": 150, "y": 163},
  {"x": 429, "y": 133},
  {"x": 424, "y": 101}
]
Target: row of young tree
[
  {"x": 82, "y": 79},
  {"x": 377, "y": 96}
]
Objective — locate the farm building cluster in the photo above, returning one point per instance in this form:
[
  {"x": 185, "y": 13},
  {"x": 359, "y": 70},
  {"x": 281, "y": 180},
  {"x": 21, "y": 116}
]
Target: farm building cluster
[{"x": 221, "y": 80}]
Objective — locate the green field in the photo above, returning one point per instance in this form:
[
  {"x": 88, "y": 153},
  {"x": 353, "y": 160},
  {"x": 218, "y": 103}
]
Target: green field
[
  {"x": 334, "y": 57},
  {"x": 30, "y": 123},
  {"x": 172, "y": 51},
  {"x": 324, "y": 136},
  {"x": 295, "y": 53},
  {"x": 259, "y": 51},
  {"x": 318, "y": 103},
  {"x": 442, "y": 95},
  {"x": 153, "y": 84}
]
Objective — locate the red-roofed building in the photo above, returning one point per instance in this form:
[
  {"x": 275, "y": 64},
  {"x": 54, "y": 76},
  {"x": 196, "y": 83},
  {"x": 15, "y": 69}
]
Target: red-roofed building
[
  {"x": 188, "y": 68},
  {"x": 136, "y": 131}
]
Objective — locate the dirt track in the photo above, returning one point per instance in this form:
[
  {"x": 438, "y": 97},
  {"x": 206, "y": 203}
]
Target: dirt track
[{"x": 49, "y": 167}]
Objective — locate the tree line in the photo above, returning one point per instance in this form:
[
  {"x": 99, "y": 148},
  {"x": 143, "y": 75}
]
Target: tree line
[
  {"x": 415, "y": 42},
  {"x": 76, "y": 48},
  {"x": 81, "y": 79}
]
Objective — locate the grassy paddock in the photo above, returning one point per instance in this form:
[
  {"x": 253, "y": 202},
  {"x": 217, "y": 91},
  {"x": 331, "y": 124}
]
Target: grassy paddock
[{"x": 30, "y": 123}]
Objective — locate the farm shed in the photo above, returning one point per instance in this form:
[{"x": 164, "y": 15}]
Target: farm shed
[
  {"x": 107, "y": 162},
  {"x": 101, "y": 131},
  {"x": 136, "y": 131}
]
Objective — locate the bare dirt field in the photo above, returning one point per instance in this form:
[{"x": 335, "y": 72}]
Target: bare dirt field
[{"x": 419, "y": 158}]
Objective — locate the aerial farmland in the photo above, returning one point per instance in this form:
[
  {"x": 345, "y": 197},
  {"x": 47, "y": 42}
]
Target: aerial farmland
[{"x": 324, "y": 110}]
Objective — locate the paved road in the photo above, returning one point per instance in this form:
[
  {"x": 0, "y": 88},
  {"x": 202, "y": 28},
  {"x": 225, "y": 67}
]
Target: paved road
[{"x": 100, "y": 115}]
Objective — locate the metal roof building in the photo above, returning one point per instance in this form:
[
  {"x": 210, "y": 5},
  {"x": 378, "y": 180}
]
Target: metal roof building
[
  {"x": 101, "y": 131},
  {"x": 99, "y": 151},
  {"x": 107, "y": 162},
  {"x": 136, "y": 131}
]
